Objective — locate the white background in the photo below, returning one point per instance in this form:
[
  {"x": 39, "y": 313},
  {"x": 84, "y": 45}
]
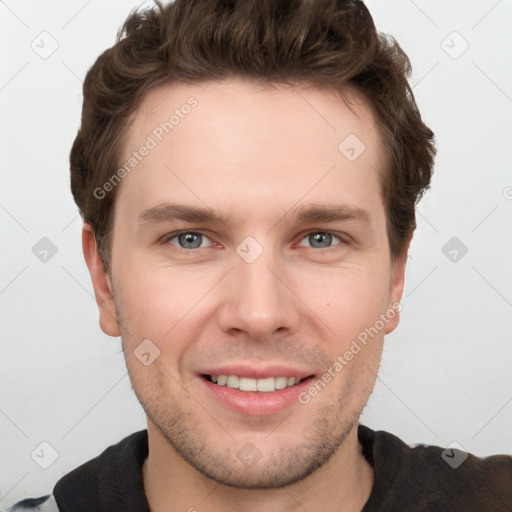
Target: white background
[{"x": 445, "y": 372}]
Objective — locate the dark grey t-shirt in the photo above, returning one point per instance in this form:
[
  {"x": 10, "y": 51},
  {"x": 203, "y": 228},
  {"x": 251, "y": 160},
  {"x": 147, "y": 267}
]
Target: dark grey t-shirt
[{"x": 417, "y": 479}]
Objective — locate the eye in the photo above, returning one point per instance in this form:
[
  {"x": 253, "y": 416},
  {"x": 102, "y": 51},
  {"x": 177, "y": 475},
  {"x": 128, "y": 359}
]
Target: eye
[
  {"x": 187, "y": 239},
  {"x": 321, "y": 239}
]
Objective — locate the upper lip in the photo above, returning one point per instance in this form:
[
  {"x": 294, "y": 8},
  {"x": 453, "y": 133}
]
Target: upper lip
[{"x": 257, "y": 372}]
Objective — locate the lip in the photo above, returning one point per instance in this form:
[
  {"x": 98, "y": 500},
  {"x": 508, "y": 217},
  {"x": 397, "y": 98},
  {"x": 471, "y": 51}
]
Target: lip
[{"x": 253, "y": 403}]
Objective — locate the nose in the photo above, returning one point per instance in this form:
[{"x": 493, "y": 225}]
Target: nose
[{"x": 259, "y": 298}]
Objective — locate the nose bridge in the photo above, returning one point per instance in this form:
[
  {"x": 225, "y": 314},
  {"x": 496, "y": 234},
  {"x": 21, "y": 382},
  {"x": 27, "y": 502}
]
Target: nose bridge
[{"x": 258, "y": 301}]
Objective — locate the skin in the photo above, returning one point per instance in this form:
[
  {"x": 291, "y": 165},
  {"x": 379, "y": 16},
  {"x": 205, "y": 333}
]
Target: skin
[{"x": 252, "y": 153}]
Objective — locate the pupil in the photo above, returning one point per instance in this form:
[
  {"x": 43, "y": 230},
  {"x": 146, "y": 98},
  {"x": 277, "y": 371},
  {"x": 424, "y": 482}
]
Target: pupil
[
  {"x": 319, "y": 236},
  {"x": 189, "y": 238}
]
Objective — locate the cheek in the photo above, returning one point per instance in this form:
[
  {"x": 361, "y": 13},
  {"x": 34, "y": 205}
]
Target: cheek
[
  {"x": 348, "y": 300},
  {"x": 158, "y": 305},
  {"x": 158, "y": 302}
]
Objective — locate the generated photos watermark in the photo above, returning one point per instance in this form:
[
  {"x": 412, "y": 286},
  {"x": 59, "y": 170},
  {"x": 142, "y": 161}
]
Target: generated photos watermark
[
  {"x": 343, "y": 360},
  {"x": 152, "y": 140}
]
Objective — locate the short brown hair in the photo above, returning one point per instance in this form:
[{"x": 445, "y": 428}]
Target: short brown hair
[{"x": 329, "y": 44}]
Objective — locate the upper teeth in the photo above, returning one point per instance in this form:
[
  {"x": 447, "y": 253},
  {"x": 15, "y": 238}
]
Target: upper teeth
[{"x": 247, "y": 384}]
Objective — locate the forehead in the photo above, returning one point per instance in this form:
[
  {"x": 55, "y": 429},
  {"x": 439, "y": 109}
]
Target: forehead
[
  {"x": 239, "y": 139},
  {"x": 255, "y": 107}
]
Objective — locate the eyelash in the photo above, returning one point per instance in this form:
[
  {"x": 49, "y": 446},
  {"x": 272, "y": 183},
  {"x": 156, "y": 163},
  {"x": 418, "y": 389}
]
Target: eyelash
[{"x": 167, "y": 238}]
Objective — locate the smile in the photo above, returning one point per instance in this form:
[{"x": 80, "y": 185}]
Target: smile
[{"x": 266, "y": 385}]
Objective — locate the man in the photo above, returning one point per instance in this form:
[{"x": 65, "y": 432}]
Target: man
[{"x": 247, "y": 173}]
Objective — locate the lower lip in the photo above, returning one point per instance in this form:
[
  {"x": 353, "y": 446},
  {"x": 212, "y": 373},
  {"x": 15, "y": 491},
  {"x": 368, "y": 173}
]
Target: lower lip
[{"x": 256, "y": 403}]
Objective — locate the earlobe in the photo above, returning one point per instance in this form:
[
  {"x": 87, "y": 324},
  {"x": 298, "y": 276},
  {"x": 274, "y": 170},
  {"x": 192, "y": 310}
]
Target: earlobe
[{"x": 101, "y": 283}]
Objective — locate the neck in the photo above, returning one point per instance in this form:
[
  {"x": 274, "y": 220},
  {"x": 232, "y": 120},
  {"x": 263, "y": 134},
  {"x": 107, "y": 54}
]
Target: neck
[{"x": 343, "y": 484}]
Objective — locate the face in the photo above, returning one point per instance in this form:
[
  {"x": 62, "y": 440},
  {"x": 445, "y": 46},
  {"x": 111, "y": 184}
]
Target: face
[{"x": 250, "y": 253}]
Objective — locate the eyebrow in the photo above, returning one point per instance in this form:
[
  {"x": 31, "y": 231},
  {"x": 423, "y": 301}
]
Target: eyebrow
[{"x": 303, "y": 214}]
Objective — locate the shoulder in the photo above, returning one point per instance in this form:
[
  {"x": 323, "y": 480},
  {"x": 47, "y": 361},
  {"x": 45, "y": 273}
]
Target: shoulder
[
  {"x": 119, "y": 466},
  {"x": 43, "y": 504},
  {"x": 471, "y": 482},
  {"x": 439, "y": 476}
]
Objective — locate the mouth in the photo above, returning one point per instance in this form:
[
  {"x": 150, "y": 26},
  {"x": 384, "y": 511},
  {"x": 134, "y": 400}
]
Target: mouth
[
  {"x": 256, "y": 393},
  {"x": 264, "y": 385}
]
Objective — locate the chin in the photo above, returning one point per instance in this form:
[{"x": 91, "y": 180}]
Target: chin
[{"x": 263, "y": 464}]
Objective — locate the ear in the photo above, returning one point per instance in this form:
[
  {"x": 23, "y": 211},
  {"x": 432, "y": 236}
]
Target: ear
[
  {"x": 101, "y": 283},
  {"x": 397, "y": 288}
]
